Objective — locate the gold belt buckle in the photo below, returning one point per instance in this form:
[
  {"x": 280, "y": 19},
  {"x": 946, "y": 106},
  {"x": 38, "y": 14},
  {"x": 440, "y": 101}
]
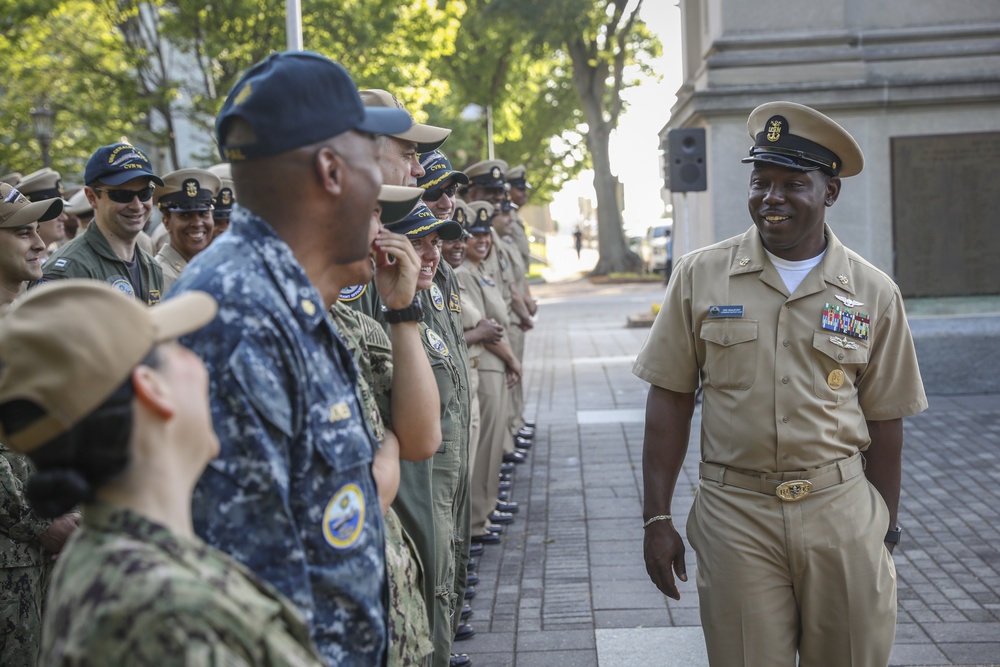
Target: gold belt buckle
[{"x": 793, "y": 490}]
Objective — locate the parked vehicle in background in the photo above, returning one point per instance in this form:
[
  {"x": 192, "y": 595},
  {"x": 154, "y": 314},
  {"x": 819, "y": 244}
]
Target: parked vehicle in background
[
  {"x": 653, "y": 249},
  {"x": 634, "y": 242}
]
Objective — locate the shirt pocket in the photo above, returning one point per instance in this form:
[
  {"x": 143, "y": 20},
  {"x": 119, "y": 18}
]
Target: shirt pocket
[
  {"x": 836, "y": 367},
  {"x": 730, "y": 353},
  {"x": 263, "y": 386},
  {"x": 337, "y": 430}
]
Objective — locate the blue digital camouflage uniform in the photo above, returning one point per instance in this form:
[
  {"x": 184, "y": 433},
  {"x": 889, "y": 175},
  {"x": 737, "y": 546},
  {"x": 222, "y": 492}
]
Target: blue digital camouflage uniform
[
  {"x": 291, "y": 494},
  {"x": 127, "y": 591},
  {"x": 23, "y": 565},
  {"x": 409, "y": 629}
]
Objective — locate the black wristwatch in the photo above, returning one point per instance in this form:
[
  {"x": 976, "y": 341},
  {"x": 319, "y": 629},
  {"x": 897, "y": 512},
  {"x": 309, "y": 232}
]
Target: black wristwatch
[
  {"x": 892, "y": 537},
  {"x": 412, "y": 313}
]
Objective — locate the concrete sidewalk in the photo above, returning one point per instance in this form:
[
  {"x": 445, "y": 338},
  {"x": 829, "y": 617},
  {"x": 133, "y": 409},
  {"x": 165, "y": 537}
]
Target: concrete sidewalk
[{"x": 567, "y": 585}]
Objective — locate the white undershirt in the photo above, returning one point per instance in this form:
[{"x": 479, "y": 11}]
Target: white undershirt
[{"x": 793, "y": 273}]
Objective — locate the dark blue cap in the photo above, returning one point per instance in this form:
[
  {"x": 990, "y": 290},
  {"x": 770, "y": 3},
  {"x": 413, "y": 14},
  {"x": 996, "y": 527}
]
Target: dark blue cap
[
  {"x": 437, "y": 170},
  {"x": 118, "y": 163},
  {"x": 296, "y": 98},
  {"x": 421, "y": 222}
]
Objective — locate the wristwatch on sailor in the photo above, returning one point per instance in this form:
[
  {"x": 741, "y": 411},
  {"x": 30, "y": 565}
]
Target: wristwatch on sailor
[
  {"x": 892, "y": 537},
  {"x": 412, "y": 313}
]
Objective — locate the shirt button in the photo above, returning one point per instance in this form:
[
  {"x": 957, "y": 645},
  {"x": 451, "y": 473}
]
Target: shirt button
[
  {"x": 784, "y": 380},
  {"x": 726, "y": 341},
  {"x": 784, "y": 420},
  {"x": 785, "y": 457},
  {"x": 785, "y": 343},
  {"x": 840, "y": 356}
]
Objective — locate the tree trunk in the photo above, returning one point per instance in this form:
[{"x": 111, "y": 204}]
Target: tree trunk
[{"x": 613, "y": 253}]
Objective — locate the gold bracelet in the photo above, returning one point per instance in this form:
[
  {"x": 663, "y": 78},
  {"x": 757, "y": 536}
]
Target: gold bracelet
[{"x": 658, "y": 517}]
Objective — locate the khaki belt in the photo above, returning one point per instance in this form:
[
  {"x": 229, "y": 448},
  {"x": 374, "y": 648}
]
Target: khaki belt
[{"x": 789, "y": 486}]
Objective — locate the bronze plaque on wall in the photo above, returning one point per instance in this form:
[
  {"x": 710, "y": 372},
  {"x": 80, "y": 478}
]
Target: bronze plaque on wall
[{"x": 946, "y": 214}]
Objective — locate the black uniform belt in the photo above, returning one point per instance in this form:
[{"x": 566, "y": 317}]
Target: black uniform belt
[{"x": 788, "y": 485}]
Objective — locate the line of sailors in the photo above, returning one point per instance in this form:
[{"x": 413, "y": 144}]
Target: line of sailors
[{"x": 476, "y": 306}]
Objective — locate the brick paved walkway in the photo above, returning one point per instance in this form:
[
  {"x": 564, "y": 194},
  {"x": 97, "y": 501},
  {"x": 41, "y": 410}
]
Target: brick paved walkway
[{"x": 567, "y": 585}]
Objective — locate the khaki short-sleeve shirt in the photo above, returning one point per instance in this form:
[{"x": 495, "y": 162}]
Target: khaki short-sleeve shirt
[{"x": 782, "y": 391}]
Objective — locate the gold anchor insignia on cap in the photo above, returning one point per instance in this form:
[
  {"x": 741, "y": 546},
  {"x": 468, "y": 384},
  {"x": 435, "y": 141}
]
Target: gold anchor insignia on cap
[
  {"x": 842, "y": 278},
  {"x": 191, "y": 188},
  {"x": 774, "y": 129},
  {"x": 744, "y": 261},
  {"x": 835, "y": 379},
  {"x": 495, "y": 172},
  {"x": 308, "y": 307}
]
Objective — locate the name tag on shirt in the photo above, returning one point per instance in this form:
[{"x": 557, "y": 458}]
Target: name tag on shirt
[{"x": 725, "y": 311}]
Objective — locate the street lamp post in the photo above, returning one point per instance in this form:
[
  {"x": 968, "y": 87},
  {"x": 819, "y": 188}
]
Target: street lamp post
[
  {"x": 473, "y": 112},
  {"x": 44, "y": 118}
]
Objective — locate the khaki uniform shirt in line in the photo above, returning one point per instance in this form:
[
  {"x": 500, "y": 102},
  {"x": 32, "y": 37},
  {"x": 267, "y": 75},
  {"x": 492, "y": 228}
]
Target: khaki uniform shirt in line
[
  {"x": 471, "y": 312},
  {"x": 483, "y": 292},
  {"x": 498, "y": 265},
  {"x": 171, "y": 263},
  {"x": 780, "y": 393},
  {"x": 520, "y": 236}
]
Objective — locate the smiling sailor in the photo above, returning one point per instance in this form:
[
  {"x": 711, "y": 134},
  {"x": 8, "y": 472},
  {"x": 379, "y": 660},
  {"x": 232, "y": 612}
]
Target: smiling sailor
[{"x": 808, "y": 369}]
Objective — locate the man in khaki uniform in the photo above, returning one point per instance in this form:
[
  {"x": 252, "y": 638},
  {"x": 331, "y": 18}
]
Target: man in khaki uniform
[{"x": 808, "y": 369}]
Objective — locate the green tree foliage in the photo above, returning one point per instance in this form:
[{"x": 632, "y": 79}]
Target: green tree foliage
[
  {"x": 550, "y": 71},
  {"x": 607, "y": 45},
  {"x": 64, "y": 54},
  {"x": 497, "y": 63}
]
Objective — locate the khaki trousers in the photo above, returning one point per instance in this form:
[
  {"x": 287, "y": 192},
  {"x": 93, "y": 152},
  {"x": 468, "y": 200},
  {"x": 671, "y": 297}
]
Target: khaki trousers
[
  {"x": 778, "y": 578},
  {"x": 516, "y": 412},
  {"x": 493, "y": 406},
  {"x": 474, "y": 423}
]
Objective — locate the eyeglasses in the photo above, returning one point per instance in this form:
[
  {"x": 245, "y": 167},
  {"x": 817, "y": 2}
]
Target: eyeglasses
[
  {"x": 126, "y": 196},
  {"x": 434, "y": 196}
]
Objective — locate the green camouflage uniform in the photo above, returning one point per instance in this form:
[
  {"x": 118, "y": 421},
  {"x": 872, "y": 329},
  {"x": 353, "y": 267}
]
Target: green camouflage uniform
[
  {"x": 409, "y": 631},
  {"x": 127, "y": 591},
  {"x": 23, "y": 565}
]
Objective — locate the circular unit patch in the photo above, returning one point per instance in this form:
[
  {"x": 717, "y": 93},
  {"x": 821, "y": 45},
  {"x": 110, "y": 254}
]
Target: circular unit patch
[
  {"x": 352, "y": 292},
  {"x": 436, "y": 342},
  {"x": 344, "y": 517},
  {"x": 122, "y": 285},
  {"x": 436, "y": 297}
]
